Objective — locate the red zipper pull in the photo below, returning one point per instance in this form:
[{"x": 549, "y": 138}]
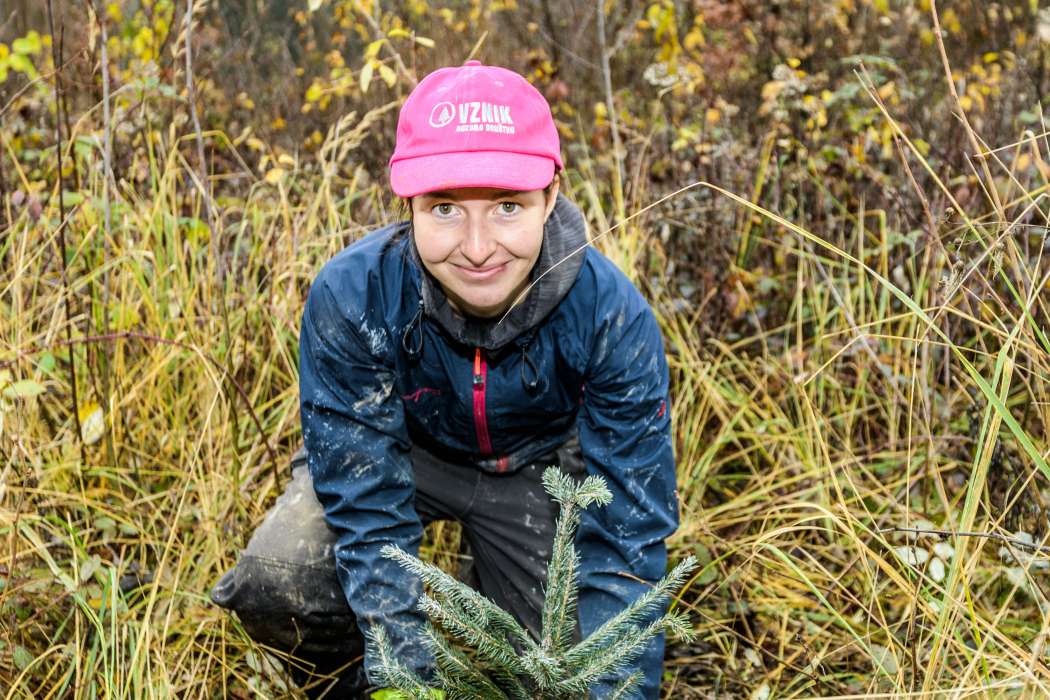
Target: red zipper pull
[
  {"x": 481, "y": 424},
  {"x": 479, "y": 378}
]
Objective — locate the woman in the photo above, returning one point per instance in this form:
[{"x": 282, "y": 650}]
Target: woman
[{"x": 444, "y": 363}]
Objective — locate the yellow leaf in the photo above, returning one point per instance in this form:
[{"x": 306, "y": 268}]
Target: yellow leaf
[
  {"x": 255, "y": 144},
  {"x": 771, "y": 89},
  {"x": 285, "y": 159},
  {"x": 92, "y": 423},
  {"x": 398, "y": 33},
  {"x": 991, "y": 57},
  {"x": 366, "y": 76},
  {"x": 712, "y": 115},
  {"x": 950, "y": 21},
  {"x": 372, "y": 50},
  {"x": 424, "y": 41},
  {"x": 274, "y": 175},
  {"x": 313, "y": 93},
  {"x": 794, "y": 62},
  {"x": 387, "y": 74}
]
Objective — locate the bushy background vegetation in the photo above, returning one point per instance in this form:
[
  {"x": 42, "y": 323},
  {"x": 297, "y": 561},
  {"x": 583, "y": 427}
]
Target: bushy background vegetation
[{"x": 850, "y": 289}]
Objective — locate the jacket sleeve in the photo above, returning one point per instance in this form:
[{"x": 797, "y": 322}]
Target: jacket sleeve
[
  {"x": 625, "y": 436},
  {"x": 355, "y": 434}
]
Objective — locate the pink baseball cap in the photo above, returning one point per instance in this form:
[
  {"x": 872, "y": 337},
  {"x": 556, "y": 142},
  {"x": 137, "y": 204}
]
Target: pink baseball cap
[{"x": 474, "y": 126}]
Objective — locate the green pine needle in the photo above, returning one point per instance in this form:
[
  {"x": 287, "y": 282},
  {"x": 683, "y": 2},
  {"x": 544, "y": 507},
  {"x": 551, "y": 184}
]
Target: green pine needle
[{"x": 476, "y": 644}]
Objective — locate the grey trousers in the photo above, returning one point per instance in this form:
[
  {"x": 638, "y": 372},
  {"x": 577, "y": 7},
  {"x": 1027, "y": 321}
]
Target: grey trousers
[{"x": 284, "y": 587}]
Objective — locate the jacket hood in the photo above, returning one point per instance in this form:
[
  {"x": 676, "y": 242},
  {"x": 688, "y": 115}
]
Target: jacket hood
[{"x": 555, "y": 271}]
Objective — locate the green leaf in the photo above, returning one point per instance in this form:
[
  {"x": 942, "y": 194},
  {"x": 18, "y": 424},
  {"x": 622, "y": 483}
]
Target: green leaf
[
  {"x": 27, "y": 45},
  {"x": 708, "y": 572},
  {"x": 23, "y": 389},
  {"x": 197, "y": 231},
  {"x": 89, "y": 567},
  {"x": 1026, "y": 116},
  {"x": 47, "y": 363},
  {"x": 104, "y": 523},
  {"x": 71, "y": 199},
  {"x": 22, "y": 657}
]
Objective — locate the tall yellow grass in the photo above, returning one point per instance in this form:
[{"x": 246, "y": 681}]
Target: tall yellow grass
[{"x": 806, "y": 449}]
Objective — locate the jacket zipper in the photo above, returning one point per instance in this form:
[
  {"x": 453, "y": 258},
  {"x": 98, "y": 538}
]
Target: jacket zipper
[{"x": 481, "y": 424}]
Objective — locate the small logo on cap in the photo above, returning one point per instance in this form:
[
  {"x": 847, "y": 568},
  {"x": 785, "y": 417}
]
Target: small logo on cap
[{"x": 442, "y": 114}]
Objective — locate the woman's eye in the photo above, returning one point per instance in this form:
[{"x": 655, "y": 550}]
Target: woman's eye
[
  {"x": 443, "y": 209},
  {"x": 509, "y": 207}
]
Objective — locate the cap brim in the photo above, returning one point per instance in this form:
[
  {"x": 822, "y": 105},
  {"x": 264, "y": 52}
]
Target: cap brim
[{"x": 446, "y": 171}]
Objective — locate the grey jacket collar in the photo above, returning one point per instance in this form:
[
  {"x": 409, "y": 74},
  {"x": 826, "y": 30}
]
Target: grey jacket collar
[{"x": 564, "y": 233}]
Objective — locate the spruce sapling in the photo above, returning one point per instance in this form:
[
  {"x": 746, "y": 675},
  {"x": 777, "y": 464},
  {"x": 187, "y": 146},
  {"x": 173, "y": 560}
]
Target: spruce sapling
[{"x": 481, "y": 651}]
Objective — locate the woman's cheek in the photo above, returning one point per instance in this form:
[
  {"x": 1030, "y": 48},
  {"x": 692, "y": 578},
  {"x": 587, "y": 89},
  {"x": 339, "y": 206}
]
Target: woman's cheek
[
  {"x": 435, "y": 249},
  {"x": 525, "y": 242}
]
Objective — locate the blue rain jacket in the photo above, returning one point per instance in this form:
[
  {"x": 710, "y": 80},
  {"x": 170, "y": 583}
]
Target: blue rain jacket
[{"x": 385, "y": 363}]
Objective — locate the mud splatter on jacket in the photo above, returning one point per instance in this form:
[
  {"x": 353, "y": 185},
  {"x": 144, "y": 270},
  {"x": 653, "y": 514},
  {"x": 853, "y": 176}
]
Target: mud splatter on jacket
[{"x": 384, "y": 362}]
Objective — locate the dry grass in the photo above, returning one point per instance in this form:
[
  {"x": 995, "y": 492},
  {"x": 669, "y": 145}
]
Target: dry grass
[{"x": 800, "y": 445}]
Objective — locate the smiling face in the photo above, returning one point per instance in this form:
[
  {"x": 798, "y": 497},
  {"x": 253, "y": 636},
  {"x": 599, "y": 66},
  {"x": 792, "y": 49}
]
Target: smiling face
[{"x": 480, "y": 243}]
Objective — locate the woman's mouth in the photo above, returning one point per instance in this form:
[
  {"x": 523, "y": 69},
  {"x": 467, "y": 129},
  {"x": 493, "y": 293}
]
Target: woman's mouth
[{"x": 478, "y": 274}]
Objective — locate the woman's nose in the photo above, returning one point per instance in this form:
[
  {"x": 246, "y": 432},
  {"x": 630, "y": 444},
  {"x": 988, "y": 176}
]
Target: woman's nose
[{"x": 478, "y": 244}]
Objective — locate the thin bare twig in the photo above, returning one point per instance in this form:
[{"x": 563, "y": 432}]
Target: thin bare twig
[
  {"x": 962, "y": 113},
  {"x": 987, "y": 535},
  {"x": 610, "y": 107},
  {"x": 56, "y": 59},
  {"x": 191, "y": 95},
  {"x": 107, "y": 189}
]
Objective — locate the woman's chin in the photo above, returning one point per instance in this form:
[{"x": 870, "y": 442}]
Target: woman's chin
[
  {"x": 482, "y": 306},
  {"x": 486, "y": 311}
]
